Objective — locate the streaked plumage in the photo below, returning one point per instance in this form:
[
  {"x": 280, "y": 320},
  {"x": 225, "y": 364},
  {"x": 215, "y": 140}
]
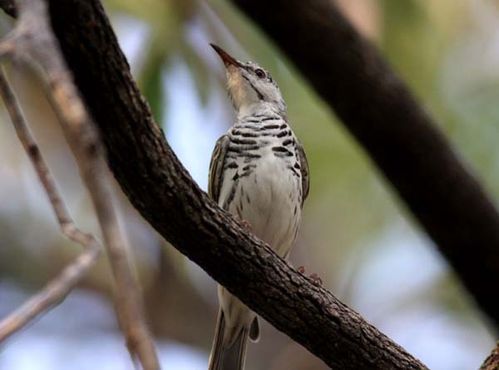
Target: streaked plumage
[{"x": 259, "y": 173}]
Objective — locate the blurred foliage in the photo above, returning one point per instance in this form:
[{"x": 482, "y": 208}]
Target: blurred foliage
[{"x": 448, "y": 53}]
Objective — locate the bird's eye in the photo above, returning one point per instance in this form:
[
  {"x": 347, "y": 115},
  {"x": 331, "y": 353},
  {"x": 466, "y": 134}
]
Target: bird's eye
[{"x": 260, "y": 73}]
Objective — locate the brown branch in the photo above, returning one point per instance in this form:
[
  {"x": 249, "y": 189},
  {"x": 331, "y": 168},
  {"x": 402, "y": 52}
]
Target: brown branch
[
  {"x": 9, "y": 7},
  {"x": 156, "y": 183},
  {"x": 32, "y": 39},
  {"x": 400, "y": 137},
  {"x": 56, "y": 290},
  {"x": 492, "y": 362}
]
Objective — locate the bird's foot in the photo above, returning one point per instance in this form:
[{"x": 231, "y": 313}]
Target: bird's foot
[
  {"x": 316, "y": 279},
  {"x": 246, "y": 225},
  {"x": 313, "y": 276}
]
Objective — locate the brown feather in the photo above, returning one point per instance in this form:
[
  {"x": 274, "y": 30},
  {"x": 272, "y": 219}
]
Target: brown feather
[
  {"x": 215, "y": 177},
  {"x": 305, "y": 179}
]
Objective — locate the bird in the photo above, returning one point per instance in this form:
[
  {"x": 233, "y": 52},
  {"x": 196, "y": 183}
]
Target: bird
[{"x": 259, "y": 173}]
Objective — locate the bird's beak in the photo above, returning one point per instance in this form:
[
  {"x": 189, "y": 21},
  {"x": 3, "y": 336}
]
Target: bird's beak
[{"x": 226, "y": 58}]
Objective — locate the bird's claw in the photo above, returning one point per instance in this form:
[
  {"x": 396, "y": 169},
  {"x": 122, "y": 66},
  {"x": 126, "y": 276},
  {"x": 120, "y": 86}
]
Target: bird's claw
[
  {"x": 316, "y": 279},
  {"x": 246, "y": 225},
  {"x": 313, "y": 276}
]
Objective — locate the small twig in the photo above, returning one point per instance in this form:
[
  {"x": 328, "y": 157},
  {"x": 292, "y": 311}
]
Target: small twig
[
  {"x": 56, "y": 290},
  {"x": 492, "y": 362},
  {"x": 32, "y": 40}
]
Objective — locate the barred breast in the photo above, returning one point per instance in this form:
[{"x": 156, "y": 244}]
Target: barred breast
[{"x": 262, "y": 184}]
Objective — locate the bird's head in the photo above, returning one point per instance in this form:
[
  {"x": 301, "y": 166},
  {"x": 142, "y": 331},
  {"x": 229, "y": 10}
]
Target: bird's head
[{"x": 250, "y": 85}]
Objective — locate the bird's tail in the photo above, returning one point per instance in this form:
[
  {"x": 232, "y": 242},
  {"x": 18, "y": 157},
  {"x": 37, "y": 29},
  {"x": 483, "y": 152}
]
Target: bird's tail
[{"x": 227, "y": 356}]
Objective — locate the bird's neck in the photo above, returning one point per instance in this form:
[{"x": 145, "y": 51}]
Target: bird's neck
[{"x": 259, "y": 109}]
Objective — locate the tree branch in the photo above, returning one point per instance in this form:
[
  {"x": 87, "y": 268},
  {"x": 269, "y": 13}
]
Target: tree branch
[
  {"x": 492, "y": 362},
  {"x": 32, "y": 40},
  {"x": 160, "y": 188},
  {"x": 56, "y": 290},
  {"x": 400, "y": 137},
  {"x": 9, "y": 7}
]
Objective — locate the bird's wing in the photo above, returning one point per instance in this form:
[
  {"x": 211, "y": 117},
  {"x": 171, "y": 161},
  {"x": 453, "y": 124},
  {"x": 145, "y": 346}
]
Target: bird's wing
[
  {"x": 215, "y": 177},
  {"x": 305, "y": 179}
]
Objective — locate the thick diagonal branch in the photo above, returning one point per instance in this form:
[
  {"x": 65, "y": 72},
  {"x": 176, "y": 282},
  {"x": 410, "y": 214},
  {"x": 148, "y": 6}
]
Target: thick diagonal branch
[
  {"x": 492, "y": 362},
  {"x": 399, "y": 136},
  {"x": 160, "y": 188}
]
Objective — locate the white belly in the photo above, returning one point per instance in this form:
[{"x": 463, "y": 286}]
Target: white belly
[{"x": 268, "y": 199}]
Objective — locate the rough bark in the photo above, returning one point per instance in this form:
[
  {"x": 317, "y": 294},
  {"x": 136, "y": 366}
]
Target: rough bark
[
  {"x": 9, "y": 7},
  {"x": 160, "y": 188},
  {"x": 492, "y": 362},
  {"x": 399, "y": 136}
]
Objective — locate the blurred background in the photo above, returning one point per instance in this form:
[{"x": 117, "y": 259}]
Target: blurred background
[{"x": 356, "y": 234}]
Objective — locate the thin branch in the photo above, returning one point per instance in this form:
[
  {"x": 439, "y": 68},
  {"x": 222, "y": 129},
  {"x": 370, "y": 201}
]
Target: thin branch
[
  {"x": 32, "y": 39},
  {"x": 56, "y": 290},
  {"x": 492, "y": 362}
]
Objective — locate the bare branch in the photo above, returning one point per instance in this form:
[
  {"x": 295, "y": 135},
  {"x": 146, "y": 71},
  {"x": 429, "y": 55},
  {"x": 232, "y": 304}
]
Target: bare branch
[
  {"x": 492, "y": 362},
  {"x": 156, "y": 183},
  {"x": 9, "y": 7},
  {"x": 32, "y": 39},
  {"x": 55, "y": 291}
]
